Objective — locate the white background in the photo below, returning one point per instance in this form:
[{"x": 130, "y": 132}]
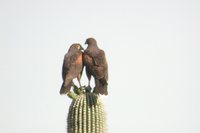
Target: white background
[{"x": 154, "y": 63}]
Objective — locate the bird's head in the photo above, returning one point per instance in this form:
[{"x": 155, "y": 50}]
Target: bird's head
[
  {"x": 76, "y": 46},
  {"x": 90, "y": 41}
]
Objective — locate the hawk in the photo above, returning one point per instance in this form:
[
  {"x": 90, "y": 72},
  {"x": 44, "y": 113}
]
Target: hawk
[
  {"x": 96, "y": 65},
  {"x": 72, "y": 67}
]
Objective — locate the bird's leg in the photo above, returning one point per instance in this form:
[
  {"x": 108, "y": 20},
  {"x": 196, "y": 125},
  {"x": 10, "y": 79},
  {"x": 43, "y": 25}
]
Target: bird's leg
[
  {"x": 88, "y": 88},
  {"x": 89, "y": 79}
]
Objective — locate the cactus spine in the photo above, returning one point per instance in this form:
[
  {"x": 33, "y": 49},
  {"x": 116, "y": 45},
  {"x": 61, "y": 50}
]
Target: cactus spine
[{"x": 86, "y": 114}]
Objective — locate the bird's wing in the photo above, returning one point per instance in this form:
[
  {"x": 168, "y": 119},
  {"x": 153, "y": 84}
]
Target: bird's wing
[
  {"x": 101, "y": 66},
  {"x": 95, "y": 58},
  {"x": 65, "y": 66},
  {"x": 97, "y": 63},
  {"x": 99, "y": 58},
  {"x": 87, "y": 58},
  {"x": 69, "y": 64}
]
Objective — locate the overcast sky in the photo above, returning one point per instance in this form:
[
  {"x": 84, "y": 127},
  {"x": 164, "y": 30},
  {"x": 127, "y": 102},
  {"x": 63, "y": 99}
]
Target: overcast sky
[{"x": 152, "y": 48}]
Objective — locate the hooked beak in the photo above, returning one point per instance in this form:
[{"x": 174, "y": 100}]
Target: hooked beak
[{"x": 85, "y": 42}]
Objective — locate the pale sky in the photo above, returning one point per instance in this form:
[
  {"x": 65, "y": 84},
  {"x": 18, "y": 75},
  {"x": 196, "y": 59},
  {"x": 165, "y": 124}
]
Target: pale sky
[{"x": 152, "y": 48}]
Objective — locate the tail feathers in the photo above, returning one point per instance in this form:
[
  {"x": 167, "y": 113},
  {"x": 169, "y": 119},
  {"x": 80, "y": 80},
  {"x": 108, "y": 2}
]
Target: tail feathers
[
  {"x": 100, "y": 88},
  {"x": 65, "y": 87}
]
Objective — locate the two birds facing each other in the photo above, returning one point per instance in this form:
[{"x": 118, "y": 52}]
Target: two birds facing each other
[{"x": 94, "y": 60}]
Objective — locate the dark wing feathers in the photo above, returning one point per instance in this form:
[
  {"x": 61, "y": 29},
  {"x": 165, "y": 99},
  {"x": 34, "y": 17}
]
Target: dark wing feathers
[
  {"x": 69, "y": 63},
  {"x": 99, "y": 58},
  {"x": 96, "y": 62},
  {"x": 64, "y": 71},
  {"x": 66, "y": 66}
]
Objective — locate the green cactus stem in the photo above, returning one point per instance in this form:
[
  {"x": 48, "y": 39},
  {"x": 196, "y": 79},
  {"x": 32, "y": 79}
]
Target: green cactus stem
[{"x": 86, "y": 114}]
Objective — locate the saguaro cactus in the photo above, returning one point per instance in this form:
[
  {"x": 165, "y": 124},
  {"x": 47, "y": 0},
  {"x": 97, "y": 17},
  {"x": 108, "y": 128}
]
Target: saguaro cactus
[{"x": 86, "y": 113}]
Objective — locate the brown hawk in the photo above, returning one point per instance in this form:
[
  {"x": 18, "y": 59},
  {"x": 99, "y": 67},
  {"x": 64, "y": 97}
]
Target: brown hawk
[
  {"x": 96, "y": 65},
  {"x": 72, "y": 67}
]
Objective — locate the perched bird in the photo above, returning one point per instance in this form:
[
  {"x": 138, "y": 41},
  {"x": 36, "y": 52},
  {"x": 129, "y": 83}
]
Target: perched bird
[
  {"x": 96, "y": 65},
  {"x": 72, "y": 67}
]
